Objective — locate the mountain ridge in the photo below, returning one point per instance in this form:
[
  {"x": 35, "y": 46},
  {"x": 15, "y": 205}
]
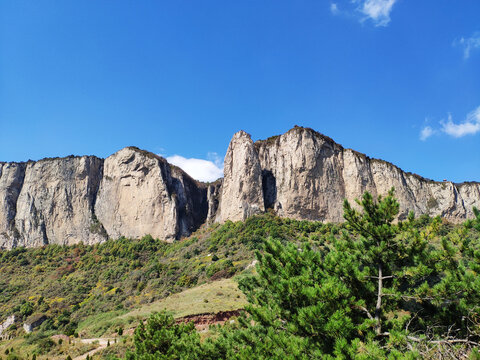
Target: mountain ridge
[{"x": 301, "y": 174}]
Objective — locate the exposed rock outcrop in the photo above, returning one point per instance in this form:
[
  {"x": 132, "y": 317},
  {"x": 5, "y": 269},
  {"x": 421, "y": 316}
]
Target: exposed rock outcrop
[
  {"x": 11, "y": 181},
  {"x": 306, "y": 175},
  {"x": 214, "y": 195},
  {"x": 141, "y": 193},
  {"x": 33, "y": 322},
  {"x": 9, "y": 321},
  {"x": 301, "y": 174},
  {"x": 86, "y": 199},
  {"x": 242, "y": 194},
  {"x": 49, "y": 201}
]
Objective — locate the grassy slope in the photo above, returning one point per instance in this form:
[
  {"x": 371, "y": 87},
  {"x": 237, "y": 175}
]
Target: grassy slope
[
  {"x": 222, "y": 295},
  {"x": 74, "y": 283},
  {"x": 95, "y": 289},
  {"x": 212, "y": 297}
]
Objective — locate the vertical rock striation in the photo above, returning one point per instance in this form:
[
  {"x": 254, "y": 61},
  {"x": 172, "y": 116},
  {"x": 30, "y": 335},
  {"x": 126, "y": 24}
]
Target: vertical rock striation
[
  {"x": 306, "y": 175},
  {"x": 55, "y": 203},
  {"x": 141, "y": 193},
  {"x": 242, "y": 194},
  {"x": 11, "y": 181},
  {"x": 301, "y": 174},
  {"x": 214, "y": 194}
]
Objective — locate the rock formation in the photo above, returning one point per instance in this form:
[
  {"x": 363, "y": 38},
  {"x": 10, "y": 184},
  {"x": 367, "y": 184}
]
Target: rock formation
[
  {"x": 242, "y": 194},
  {"x": 140, "y": 193},
  {"x": 51, "y": 199},
  {"x": 86, "y": 199},
  {"x": 33, "y": 322},
  {"x": 306, "y": 175},
  {"x": 11, "y": 181},
  {"x": 9, "y": 321},
  {"x": 301, "y": 174}
]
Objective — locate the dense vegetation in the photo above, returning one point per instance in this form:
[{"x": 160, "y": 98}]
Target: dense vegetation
[
  {"x": 69, "y": 284},
  {"x": 380, "y": 290},
  {"x": 370, "y": 288}
]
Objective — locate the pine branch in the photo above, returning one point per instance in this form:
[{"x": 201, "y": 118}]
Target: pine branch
[{"x": 364, "y": 309}]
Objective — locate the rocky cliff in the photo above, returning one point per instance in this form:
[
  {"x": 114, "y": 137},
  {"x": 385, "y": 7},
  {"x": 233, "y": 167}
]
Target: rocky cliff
[
  {"x": 140, "y": 193},
  {"x": 301, "y": 174},
  {"x": 242, "y": 194},
  {"x": 48, "y": 201},
  {"x": 87, "y": 199},
  {"x": 306, "y": 175}
]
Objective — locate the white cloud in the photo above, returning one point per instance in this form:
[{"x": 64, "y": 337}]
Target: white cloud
[
  {"x": 378, "y": 10},
  {"x": 469, "y": 44},
  {"x": 470, "y": 126},
  {"x": 334, "y": 8},
  {"x": 426, "y": 132},
  {"x": 199, "y": 169}
]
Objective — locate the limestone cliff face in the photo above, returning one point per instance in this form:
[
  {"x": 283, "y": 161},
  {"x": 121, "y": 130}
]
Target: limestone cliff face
[
  {"x": 242, "y": 194},
  {"x": 301, "y": 174},
  {"x": 306, "y": 175},
  {"x": 86, "y": 199},
  {"x": 56, "y": 201},
  {"x": 48, "y": 201},
  {"x": 214, "y": 194},
  {"x": 140, "y": 193},
  {"x": 11, "y": 181}
]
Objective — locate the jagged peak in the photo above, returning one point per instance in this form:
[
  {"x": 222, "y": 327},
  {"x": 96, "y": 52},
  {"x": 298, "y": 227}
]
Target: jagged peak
[
  {"x": 298, "y": 130},
  {"x": 241, "y": 134}
]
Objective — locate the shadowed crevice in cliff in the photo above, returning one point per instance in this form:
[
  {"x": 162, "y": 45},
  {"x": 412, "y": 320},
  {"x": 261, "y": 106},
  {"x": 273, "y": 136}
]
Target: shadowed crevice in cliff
[
  {"x": 269, "y": 185},
  {"x": 301, "y": 174},
  {"x": 189, "y": 195},
  {"x": 214, "y": 195},
  {"x": 191, "y": 204},
  {"x": 94, "y": 186}
]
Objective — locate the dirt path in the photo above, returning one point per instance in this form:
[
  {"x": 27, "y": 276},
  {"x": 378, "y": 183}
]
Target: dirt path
[{"x": 102, "y": 342}]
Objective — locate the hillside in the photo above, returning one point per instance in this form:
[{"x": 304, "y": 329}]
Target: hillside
[
  {"x": 93, "y": 290},
  {"x": 68, "y": 284}
]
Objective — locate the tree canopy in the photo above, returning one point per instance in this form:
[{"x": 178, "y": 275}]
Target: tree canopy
[{"x": 382, "y": 289}]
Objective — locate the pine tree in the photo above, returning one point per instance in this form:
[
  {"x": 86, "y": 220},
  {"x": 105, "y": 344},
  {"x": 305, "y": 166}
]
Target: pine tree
[
  {"x": 383, "y": 289},
  {"x": 162, "y": 338},
  {"x": 375, "y": 287}
]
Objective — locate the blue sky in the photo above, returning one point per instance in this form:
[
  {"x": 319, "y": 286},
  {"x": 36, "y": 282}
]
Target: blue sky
[{"x": 396, "y": 79}]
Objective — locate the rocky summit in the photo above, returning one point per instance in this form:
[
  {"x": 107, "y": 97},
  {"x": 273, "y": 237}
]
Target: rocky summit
[{"x": 301, "y": 174}]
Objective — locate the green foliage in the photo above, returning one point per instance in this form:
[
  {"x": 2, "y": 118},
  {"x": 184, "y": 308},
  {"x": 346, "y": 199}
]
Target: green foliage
[
  {"x": 69, "y": 284},
  {"x": 162, "y": 338},
  {"x": 26, "y": 309},
  {"x": 45, "y": 345},
  {"x": 476, "y": 221},
  {"x": 373, "y": 289},
  {"x": 378, "y": 290}
]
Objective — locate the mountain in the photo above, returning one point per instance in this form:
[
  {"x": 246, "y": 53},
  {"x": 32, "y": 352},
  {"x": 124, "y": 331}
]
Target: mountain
[{"x": 301, "y": 174}]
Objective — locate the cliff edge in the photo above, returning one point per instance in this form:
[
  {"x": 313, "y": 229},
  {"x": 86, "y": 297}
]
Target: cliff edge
[{"x": 301, "y": 174}]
